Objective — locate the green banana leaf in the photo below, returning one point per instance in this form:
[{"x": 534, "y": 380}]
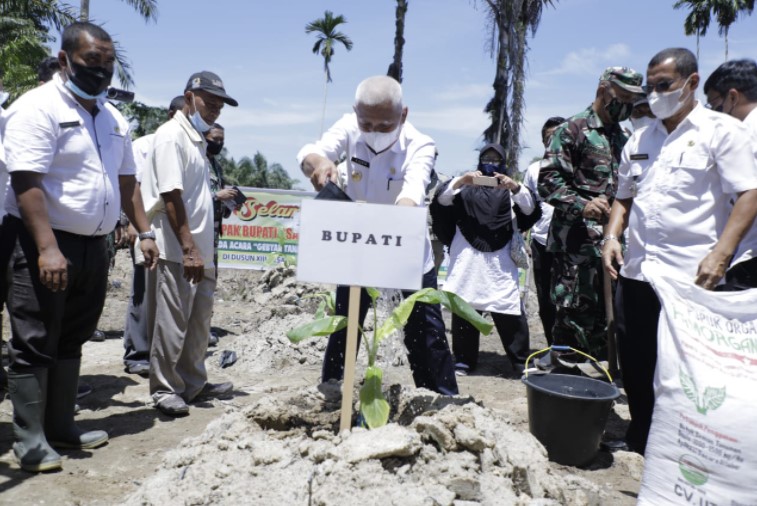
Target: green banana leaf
[
  {"x": 452, "y": 302},
  {"x": 373, "y": 406},
  {"x": 320, "y": 327}
]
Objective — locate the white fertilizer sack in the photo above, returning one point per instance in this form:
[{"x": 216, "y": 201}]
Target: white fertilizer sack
[{"x": 702, "y": 446}]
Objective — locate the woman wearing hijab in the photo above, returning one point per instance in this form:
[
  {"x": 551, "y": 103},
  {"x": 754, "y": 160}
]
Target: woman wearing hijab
[{"x": 481, "y": 269}]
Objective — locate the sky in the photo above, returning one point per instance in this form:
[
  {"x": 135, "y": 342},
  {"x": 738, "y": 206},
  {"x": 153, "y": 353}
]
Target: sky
[{"x": 264, "y": 57}]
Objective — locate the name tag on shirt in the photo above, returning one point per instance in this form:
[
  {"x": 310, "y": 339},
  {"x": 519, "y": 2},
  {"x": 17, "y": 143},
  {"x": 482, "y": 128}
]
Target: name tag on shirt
[
  {"x": 640, "y": 156},
  {"x": 360, "y": 162},
  {"x": 69, "y": 124}
]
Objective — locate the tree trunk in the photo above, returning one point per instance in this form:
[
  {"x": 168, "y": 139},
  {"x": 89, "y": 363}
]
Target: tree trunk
[
  {"x": 518, "y": 90},
  {"x": 726, "y": 43},
  {"x": 502, "y": 86},
  {"x": 395, "y": 69},
  {"x": 84, "y": 10},
  {"x": 697, "y": 44},
  {"x": 325, "y": 95}
]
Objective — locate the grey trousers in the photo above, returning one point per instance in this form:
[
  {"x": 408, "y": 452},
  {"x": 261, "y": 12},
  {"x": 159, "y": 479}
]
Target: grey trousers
[
  {"x": 137, "y": 330},
  {"x": 182, "y": 315}
]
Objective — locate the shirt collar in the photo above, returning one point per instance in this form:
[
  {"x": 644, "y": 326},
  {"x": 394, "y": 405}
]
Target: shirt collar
[
  {"x": 752, "y": 116},
  {"x": 193, "y": 134}
]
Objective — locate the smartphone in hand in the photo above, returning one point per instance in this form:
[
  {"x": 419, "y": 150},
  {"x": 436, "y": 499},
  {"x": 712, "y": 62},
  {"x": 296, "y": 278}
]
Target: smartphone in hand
[
  {"x": 240, "y": 198},
  {"x": 485, "y": 181}
]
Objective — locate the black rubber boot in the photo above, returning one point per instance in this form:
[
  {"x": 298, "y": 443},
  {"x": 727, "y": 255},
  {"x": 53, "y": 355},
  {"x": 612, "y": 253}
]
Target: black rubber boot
[
  {"x": 28, "y": 392},
  {"x": 60, "y": 428}
]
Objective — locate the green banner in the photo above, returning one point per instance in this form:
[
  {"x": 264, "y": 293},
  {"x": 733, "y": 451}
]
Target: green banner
[{"x": 264, "y": 232}]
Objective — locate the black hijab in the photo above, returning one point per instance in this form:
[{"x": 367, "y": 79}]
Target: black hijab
[{"x": 484, "y": 213}]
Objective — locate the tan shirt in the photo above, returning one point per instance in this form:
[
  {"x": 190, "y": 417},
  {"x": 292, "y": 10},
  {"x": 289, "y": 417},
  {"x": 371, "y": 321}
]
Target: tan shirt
[{"x": 178, "y": 162}]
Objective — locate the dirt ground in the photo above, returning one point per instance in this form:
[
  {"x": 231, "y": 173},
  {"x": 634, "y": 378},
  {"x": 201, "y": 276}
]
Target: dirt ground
[{"x": 252, "y": 324}]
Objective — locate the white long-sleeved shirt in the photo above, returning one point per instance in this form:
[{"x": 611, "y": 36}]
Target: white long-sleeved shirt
[
  {"x": 402, "y": 171},
  {"x": 540, "y": 230},
  {"x": 488, "y": 281}
]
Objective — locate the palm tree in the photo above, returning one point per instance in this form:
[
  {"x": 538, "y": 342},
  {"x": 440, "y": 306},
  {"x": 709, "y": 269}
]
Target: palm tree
[
  {"x": 701, "y": 11},
  {"x": 509, "y": 22},
  {"x": 326, "y": 38},
  {"x": 25, "y": 27},
  {"x": 698, "y": 20},
  {"x": 726, "y": 12},
  {"x": 395, "y": 69},
  {"x": 148, "y": 9}
]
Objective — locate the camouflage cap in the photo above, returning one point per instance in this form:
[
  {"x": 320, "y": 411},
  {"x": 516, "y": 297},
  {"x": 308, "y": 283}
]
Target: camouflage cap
[{"x": 625, "y": 77}]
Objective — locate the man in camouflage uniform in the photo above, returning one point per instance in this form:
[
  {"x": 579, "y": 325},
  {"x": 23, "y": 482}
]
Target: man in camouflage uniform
[{"x": 578, "y": 177}]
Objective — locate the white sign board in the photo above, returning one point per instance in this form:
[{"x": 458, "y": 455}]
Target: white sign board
[{"x": 350, "y": 243}]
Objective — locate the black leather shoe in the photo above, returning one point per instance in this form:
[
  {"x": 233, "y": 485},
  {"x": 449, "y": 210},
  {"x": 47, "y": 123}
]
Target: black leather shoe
[
  {"x": 614, "y": 445},
  {"x": 173, "y": 406}
]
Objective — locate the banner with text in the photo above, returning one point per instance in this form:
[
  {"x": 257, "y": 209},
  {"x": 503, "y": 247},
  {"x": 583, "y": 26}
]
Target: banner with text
[{"x": 264, "y": 232}]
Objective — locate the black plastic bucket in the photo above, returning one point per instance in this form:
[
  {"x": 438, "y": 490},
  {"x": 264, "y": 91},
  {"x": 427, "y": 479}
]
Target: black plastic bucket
[{"x": 568, "y": 414}]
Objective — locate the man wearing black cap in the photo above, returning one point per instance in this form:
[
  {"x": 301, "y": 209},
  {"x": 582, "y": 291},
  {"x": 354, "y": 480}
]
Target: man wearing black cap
[
  {"x": 137, "y": 338},
  {"x": 179, "y": 204}
]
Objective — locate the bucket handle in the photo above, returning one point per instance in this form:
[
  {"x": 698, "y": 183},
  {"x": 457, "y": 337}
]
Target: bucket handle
[{"x": 566, "y": 348}]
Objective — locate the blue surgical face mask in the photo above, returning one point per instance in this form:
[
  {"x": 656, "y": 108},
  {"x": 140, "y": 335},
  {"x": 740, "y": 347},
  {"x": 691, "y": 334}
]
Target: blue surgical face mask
[
  {"x": 80, "y": 92},
  {"x": 197, "y": 121},
  {"x": 488, "y": 169}
]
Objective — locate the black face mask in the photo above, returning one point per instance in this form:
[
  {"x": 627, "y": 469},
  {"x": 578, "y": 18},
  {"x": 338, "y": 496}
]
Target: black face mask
[
  {"x": 618, "y": 111},
  {"x": 214, "y": 148},
  {"x": 91, "y": 80},
  {"x": 488, "y": 169}
]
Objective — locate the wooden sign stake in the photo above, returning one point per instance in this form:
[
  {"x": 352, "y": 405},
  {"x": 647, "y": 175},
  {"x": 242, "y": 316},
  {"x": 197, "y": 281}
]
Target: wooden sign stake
[{"x": 350, "y": 354}]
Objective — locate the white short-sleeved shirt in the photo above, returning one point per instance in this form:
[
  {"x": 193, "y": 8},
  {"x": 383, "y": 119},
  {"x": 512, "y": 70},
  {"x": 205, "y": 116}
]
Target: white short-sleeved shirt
[
  {"x": 684, "y": 182},
  {"x": 80, "y": 155},
  {"x": 487, "y": 280},
  {"x": 540, "y": 230},
  {"x": 178, "y": 162},
  {"x": 402, "y": 171},
  {"x": 142, "y": 149},
  {"x": 748, "y": 246}
]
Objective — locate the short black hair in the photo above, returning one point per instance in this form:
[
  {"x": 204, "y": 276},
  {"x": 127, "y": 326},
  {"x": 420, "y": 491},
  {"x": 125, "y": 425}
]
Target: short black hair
[
  {"x": 47, "y": 68},
  {"x": 177, "y": 104},
  {"x": 72, "y": 33},
  {"x": 735, "y": 74},
  {"x": 217, "y": 126},
  {"x": 551, "y": 123},
  {"x": 685, "y": 61}
]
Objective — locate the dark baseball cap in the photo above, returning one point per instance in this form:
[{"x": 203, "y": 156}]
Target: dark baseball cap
[{"x": 211, "y": 83}]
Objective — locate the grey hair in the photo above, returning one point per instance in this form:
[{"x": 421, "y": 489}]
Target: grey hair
[{"x": 379, "y": 90}]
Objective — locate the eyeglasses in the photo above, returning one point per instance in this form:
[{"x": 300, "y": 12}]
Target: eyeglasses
[
  {"x": 660, "y": 87},
  {"x": 716, "y": 108}
]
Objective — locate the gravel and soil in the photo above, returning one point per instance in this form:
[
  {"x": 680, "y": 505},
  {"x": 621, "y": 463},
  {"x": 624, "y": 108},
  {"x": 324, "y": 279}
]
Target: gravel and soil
[{"x": 275, "y": 441}]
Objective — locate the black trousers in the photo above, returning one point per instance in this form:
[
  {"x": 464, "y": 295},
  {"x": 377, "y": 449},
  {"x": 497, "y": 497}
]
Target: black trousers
[
  {"x": 427, "y": 348},
  {"x": 542, "y": 265},
  {"x": 741, "y": 276},
  {"x": 48, "y": 326},
  {"x": 637, "y": 311},
  {"x": 7, "y": 243},
  {"x": 512, "y": 330},
  {"x": 136, "y": 337}
]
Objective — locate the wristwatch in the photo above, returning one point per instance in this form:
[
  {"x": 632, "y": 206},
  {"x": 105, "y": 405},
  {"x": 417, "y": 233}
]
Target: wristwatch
[
  {"x": 606, "y": 239},
  {"x": 150, "y": 234}
]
